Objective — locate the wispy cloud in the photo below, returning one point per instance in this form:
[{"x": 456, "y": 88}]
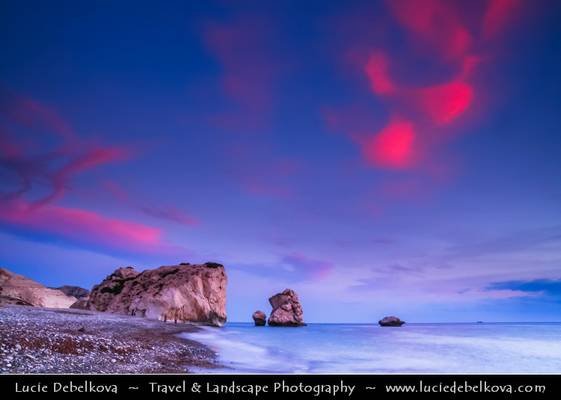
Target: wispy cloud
[
  {"x": 550, "y": 288},
  {"x": 171, "y": 214},
  {"x": 159, "y": 211},
  {"x": 420, "y": 110},
  {"x": 42, "y": 178},
  {"x": 243, "y": 47},
  {"x": 291, "y": 268},
  {"x": 514, "y": 242},
  {"x": 81, "y": 226}
]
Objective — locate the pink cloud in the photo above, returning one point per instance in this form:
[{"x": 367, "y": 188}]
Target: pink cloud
[
  {"x": 445, "y": 102},
  {"x": 446, "y": 39},
  {"x": 377, "y": 71},
  {"x": 22, "y": 210},
  {"x": 33, "y": 114},
  {"x": 498, "y": 16},
  {"x": 393, "y": 146},
  {"x": 80, "y": 226},
  {"x": 435, "y": 23},
  {"x": 434, "y": 27},
  {"x": 57, "y": 166},
  {"x": 91, "y": 159}
]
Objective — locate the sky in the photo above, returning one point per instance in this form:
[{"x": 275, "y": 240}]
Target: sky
[{"x": 379, "y": 157}]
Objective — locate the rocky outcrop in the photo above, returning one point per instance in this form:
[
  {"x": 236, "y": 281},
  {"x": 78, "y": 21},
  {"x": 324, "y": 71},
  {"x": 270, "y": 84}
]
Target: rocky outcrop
[
  {"x": 17, "y": 289},
  {"x": 391, "y": 321},
  {"x": 178, "y": 293},
  {"x": 287, "y": 310},
  {"x": 74, "y": 291},
  {"x": 260, "y": 318},
  {"x": 81, "y": 304},
  {"x": 106, "y": 295},
  {"x": 83, "y": 296}
]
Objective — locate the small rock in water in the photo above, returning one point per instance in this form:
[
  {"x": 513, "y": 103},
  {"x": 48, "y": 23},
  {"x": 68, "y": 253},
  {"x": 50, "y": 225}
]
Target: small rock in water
[
  {"x": 260, "y": 318},
  {"x": 391, "y": 321}
]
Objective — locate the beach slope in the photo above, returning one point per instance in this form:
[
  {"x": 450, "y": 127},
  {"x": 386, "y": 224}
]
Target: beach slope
[{"x": 40, "y": 340}]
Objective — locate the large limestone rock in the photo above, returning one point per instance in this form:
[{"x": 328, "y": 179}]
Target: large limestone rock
[
  {"x": 178, "y": 293},
  {"x": 260, "y": 318},
  {"x": 17, "y": 289},
  {"x": 287, "y": 310},
  {"x": 106, "y": 295},
  {"x": 391, "y": 321}
]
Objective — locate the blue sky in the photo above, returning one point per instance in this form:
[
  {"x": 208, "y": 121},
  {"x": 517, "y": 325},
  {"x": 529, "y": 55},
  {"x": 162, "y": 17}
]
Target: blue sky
[{"x": 376, "y": 157}]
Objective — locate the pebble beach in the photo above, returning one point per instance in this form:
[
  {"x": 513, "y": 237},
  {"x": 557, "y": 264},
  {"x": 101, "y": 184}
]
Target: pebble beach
[{"x": 39, "y": 340}]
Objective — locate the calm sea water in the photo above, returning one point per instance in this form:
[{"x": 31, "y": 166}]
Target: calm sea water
[{"x": 516, "y": 347}]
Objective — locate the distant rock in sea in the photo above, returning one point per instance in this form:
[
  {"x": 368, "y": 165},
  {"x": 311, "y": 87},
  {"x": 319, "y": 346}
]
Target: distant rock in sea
[
  {"x": 74, "y": 291},
  {"x": 17, "y": 289},
  {"x": 260, "y": 318},
  {"x": 391, "y": 321},
  {"x": 177, "y": 293},
  {"x": 287, "y": 310}
]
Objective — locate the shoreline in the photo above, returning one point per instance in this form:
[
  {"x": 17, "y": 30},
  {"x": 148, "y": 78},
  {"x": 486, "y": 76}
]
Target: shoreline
[
  {"x": 45, "y": 340},
  {"x": 369, "y": 348}
]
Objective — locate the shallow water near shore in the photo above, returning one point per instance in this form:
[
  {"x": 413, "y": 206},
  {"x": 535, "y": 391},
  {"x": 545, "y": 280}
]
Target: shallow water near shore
[{"x": 362, "y": 348}]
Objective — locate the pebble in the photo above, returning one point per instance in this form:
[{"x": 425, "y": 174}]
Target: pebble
[{"x": 52, "y": 343}]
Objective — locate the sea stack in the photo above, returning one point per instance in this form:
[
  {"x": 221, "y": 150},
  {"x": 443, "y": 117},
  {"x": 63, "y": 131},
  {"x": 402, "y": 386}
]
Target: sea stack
[
  {"x": 176, "y": 293},
  {"x": 260, "y": 318},
  {"x": 287, "y": 310},
  {"x": 17, "y": 289},
  {"x": 391, "y": 321}
]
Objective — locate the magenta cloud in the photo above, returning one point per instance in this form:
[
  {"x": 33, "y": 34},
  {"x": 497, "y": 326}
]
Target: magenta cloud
[{"x": 30, "y": 201}]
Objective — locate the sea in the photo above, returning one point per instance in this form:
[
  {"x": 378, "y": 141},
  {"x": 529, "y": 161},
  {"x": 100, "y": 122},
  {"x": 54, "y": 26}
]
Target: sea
[{"x": 364, "y": 348}]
